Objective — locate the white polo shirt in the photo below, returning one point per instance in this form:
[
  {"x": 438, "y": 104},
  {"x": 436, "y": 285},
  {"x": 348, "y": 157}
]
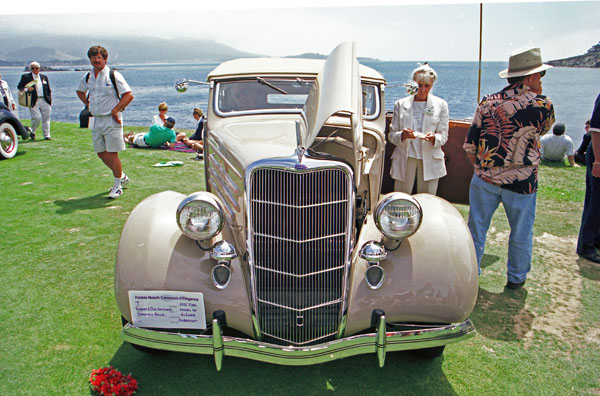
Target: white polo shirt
[{"x": 103, "y": 97}]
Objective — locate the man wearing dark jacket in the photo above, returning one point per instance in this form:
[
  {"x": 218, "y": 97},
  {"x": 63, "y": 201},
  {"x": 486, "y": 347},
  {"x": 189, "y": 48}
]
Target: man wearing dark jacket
[
  {"x": 588, "y": 243},
  {"x": 41, "y": 98}
]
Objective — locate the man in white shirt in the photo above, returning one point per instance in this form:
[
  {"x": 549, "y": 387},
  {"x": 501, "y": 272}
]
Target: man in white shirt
[
  {"x": 109, "y": 95},
  {"x": 554, "y": 147},
  {"x": 41, "y": 99}
]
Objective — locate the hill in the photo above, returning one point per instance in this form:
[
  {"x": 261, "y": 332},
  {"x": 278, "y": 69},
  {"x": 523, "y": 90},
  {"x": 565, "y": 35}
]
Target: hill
[
  {"x": 17, "y": 50},
  {"x": 590, "y": 59}
]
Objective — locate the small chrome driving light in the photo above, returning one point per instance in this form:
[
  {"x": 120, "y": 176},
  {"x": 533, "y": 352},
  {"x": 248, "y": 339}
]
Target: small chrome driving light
[
  {"x": 373, "y": 252},
  {"x": 223, "y": 252},
  {"x": 199, "y": 216},
  {"x": 398, "y": 216}
]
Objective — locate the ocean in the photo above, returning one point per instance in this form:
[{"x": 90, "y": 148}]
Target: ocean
[{"x": 573, "y": 91}]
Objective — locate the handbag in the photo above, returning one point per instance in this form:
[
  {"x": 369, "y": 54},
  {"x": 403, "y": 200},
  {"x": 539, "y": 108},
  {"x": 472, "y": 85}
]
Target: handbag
[{"x": 25, "y": 96}]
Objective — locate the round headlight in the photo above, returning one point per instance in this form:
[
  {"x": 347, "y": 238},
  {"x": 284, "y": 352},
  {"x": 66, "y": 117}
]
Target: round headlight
[
  {"x": 398, "y": 216},
  {"x": 199, "y": 216}
]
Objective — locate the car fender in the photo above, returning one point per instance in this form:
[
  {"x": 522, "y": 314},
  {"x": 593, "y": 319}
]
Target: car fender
[
  {"x": 154, "y": 254},
  {"x": 431, "y": 277}
]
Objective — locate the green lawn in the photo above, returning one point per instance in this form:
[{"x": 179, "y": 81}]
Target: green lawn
[{"x": 59, "y": 319}]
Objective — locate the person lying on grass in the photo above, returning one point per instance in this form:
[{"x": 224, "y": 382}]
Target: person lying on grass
[{"x": 158, "y": 136}]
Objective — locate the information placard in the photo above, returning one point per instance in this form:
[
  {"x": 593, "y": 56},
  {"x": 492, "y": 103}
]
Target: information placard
[{"x": 167, "y": 309}]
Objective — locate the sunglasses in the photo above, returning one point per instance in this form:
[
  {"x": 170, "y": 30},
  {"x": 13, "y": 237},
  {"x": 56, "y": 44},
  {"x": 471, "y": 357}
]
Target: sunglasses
[
  {"x": 34, "y": 68},
  {"x": 542, "y": 73}
]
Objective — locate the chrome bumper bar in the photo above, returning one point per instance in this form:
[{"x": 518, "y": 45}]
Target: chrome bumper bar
[{"x": 220, "y": 346}]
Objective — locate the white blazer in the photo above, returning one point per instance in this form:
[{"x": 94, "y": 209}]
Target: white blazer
[{"x": 435, "y": 119}]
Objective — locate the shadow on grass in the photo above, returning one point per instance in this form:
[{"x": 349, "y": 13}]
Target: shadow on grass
[
  {"x": 488, "y": 260},
  {"x": 20, "y": 151},
  {"x": 99, "y": 200},
  {"x": 185, "y": 374},
  {"x": 502, "y": 316},
  {"x": 589, "y": 269}
]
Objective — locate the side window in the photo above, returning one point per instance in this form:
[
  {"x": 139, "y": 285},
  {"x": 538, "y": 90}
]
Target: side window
[{"x": 370, "y": 101}]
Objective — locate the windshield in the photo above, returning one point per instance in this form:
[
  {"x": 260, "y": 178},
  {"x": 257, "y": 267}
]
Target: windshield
[{"x": 261, "y": 94}]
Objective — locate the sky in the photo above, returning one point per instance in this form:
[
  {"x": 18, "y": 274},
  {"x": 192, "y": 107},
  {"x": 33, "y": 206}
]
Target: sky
[{"x": 385, "y": 29}]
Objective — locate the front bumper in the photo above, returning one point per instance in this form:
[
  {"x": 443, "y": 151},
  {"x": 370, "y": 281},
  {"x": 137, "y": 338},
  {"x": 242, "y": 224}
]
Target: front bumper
[{"x": 380, "y": 342}]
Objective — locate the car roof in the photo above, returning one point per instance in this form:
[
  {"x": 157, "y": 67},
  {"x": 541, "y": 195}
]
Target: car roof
[{"x": 279, "y": 66}]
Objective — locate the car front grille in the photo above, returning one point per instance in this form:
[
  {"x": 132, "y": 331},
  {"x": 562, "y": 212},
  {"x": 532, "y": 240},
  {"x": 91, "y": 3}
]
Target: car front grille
[{"x": 299, "y": 232}]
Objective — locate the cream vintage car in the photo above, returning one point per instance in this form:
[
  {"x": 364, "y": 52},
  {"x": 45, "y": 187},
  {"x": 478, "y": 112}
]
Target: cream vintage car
[{"x": 293, "y": 256}]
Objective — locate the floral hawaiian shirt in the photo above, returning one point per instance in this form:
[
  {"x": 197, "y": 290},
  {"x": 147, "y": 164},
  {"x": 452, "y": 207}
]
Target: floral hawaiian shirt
[{"x": 504, "y": 136}]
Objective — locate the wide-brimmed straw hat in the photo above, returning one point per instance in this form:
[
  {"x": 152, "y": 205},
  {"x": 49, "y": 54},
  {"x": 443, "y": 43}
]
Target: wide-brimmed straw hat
[{"x": 524, "y": 62}]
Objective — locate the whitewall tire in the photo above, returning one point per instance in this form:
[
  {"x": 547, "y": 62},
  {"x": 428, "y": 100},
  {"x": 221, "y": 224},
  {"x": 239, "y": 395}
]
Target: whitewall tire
[{"x": 9, "y": 141}]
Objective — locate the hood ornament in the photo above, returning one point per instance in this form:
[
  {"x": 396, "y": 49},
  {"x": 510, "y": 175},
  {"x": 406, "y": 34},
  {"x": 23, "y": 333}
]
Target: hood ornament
[{"x": 300, "y": 150}]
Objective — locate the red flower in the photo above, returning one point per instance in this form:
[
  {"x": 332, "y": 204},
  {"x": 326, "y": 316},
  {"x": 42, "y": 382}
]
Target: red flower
[{"x": 110, "y": 382}]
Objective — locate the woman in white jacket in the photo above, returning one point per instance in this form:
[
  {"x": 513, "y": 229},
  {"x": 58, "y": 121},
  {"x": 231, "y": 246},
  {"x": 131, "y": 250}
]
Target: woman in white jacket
[{"x": 419, "y": 129}]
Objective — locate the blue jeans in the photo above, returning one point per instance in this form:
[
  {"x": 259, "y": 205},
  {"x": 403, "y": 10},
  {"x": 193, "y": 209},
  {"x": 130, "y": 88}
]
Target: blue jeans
[{"x": 484, "y": 199}]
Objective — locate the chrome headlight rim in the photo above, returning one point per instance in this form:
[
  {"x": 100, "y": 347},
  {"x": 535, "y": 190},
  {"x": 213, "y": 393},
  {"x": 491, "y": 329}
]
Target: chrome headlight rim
[
  {"x": 205, "y": 198},
  {"x": 397, "y": 196}
]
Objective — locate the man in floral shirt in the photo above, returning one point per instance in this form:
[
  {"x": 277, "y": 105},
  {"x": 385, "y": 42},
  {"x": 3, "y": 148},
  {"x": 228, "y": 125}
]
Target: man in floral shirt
[{"x": 503, "y": 146}]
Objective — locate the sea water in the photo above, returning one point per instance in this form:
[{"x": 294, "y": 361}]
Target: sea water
[{"x": 572, "y": 90}]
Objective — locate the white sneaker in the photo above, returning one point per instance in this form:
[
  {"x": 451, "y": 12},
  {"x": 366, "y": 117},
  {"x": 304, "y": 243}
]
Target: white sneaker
[
  {"x": 124, "y": 180},
  {"x": 115, "y": 192}
]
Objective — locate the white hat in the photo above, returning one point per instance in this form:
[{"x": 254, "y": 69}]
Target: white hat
[
  {"x": 524, "y": 62},
  {"x": 34, "y": 64}
]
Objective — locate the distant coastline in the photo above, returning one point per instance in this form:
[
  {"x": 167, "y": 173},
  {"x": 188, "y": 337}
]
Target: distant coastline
[
  {"x": 590, "y": 59},
  {"x": 65, "y": 52}
]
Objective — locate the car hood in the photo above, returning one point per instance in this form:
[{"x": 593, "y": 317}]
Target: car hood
[
  {"x": 255, "y": 140},
  {"x": 337, "y": 90}
]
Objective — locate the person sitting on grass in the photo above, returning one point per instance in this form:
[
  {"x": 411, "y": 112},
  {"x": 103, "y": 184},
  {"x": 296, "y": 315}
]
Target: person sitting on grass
[
  {"x": 585, "y": 144},
  {"x": 195, "y": 141},
  {"x": 161, "y": 117},
  {"x": 158, "y": 136},
  {"x": 555, "y": 146}
]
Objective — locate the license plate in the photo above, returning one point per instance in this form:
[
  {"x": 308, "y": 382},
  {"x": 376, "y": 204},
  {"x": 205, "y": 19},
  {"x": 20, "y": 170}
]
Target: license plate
[{"x": 167, "y": 309}]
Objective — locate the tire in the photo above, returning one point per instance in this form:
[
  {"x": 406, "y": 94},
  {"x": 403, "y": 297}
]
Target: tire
[
  {"x": 429, "y": 353},
  {"x": 139, "y": 347},
  {"x": 9, "y": 141}
]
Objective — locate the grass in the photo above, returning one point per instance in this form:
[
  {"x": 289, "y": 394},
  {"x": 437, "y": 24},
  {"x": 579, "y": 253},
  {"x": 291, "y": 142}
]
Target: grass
[{"x": 59, "y": 318}]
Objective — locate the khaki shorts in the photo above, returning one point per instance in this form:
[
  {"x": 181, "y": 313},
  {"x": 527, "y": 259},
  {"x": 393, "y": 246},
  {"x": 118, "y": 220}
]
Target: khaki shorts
[
  {"x": 138, "y": 140},
  {"x": 107, "y": 134}
]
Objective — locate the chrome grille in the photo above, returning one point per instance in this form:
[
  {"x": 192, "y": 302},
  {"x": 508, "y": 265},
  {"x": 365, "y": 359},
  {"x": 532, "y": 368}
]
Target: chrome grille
[{"x": 299, "y": 230}]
